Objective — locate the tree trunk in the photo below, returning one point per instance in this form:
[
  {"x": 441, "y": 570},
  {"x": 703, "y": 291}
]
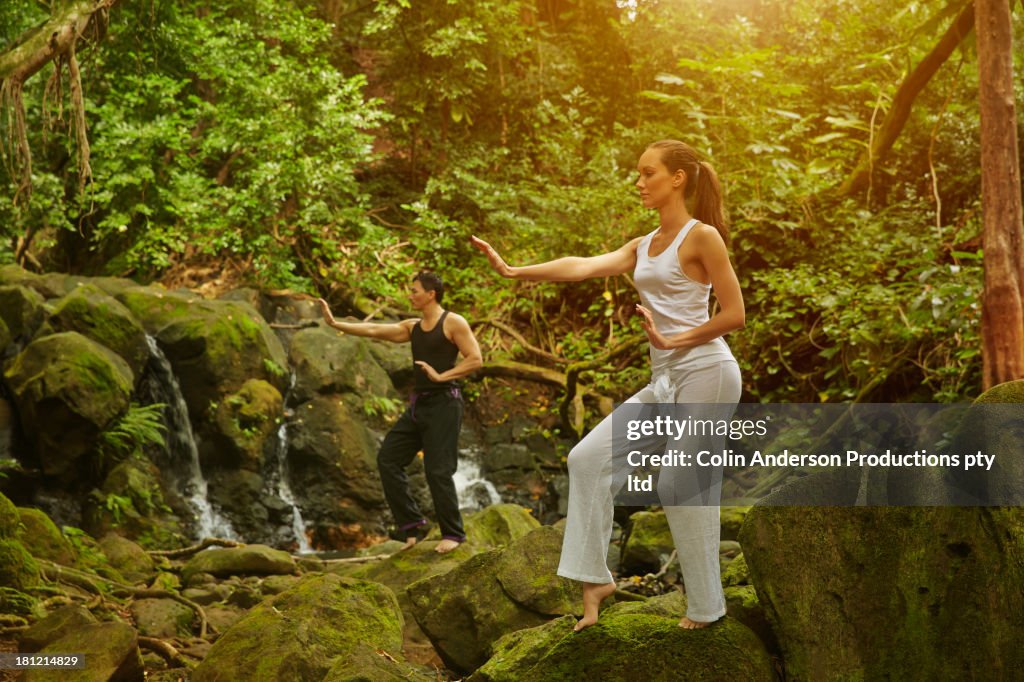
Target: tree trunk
[{"x": 1002, "y": 317}]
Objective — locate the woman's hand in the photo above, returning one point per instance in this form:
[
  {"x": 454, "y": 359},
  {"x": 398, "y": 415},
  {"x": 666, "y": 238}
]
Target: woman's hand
[
  {"x": 499, "y": 265},
  {"x": 657, "y": 339},
  {"x": 429, "y": 371}
]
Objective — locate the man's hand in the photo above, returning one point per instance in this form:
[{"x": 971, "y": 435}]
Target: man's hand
[
  {"x": 326, "y": 310},
  {"x": 429, "y": 371}
]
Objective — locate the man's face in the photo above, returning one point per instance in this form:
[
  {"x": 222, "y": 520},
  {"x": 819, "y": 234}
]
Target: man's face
[{"x": 419, "y": 297}]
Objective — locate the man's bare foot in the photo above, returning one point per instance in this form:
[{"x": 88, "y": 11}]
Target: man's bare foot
[
  {"x": 593, "y": 595},
  {"x": 692, "y": 624},
  {"x": 446, "y": 546},
  {"x": 409, "y": 542}
]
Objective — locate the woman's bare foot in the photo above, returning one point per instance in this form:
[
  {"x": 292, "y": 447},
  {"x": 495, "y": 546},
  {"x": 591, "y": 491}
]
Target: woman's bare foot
[
  {"x": 446, "y": 546},
  {"x": 593, "y": 595},
  {"x": 692, "y": 624}
]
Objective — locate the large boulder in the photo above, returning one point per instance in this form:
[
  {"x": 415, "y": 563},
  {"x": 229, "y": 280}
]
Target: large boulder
[
  {"x": 246, "y": 424},
  {"x": 324, "y": 624},
  {"x": 131, "y": 502},
  {"x": 244, "y": 560},
  {"x": 213, "y": 346},
  {"x": 648, "y": 545},
  {"x": 464, "y": 611},
  {"x": 326, "y": 361},
  {"x": 111, "y": 652},
  {"x": 100, "y": 317},
  {"x": 43, "y": 539},
  {"x": 60, "y": 622},
  {"x": 68, "y": 389},
  {"x": 22, "y": 310},
  {"x": 873, "y": 593},
  {"x": 130, "y": 560},
  {"x": 332, "y": 461},
  {"x": 631, "y": 641}
]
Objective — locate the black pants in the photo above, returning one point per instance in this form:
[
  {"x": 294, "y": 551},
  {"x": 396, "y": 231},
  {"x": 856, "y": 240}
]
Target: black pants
[{"x": 430, "y": 424}]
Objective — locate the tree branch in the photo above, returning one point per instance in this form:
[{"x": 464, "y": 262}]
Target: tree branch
[{"x": 903, "y": 101}]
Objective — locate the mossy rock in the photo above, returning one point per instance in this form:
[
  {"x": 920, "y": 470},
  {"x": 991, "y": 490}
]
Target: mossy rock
[
  {"x": 111, "y": 653},
  {"x": 22, "y": 309},
  {"x": 304, "y": 632},
  {"x": 884, "y": 593},
  {"x": 742, "y": 604},
  {"x": 162, "y": 618},
  {"x": 527, "y": 572},
  {"x": 246, "y": 423},
  {"x": 466, "y": 610},
  {"x": 736, "y": 573},
  {"x": 1007, "y": 392},
  {"x": 141, "y": 513},
  {"x": 213, "y": 346},
  {"x": 327, "y": 362},
  {"x": 131, "y": 560},
  {"x": 626, "y": 646},
  {"x": 648, "y": 545},
  {"x": 63, "y": 621},
  {"x": 100, "y": 317},
  {"x": 10, "y": 520},
  {"x": 499, "y": 525},
  {"x": 18, "y": 569},
  {"x": 67, "y": 389},
  {"x": 42, "y": 538},
  {"x": 245, "y": 560},
  {"x": 17, "y": 603},
  {"x": 732, "y": 521}
]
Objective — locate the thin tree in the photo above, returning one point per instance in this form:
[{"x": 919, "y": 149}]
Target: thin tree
[{"x": 1002, "y": 319}]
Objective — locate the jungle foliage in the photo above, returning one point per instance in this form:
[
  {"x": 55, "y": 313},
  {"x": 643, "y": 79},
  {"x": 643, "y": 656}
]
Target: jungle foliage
[{"x": 337, "y": 146}]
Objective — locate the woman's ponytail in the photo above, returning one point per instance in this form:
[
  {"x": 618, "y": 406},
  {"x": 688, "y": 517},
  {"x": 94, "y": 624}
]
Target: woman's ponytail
[{"x": 703, "y": 189}]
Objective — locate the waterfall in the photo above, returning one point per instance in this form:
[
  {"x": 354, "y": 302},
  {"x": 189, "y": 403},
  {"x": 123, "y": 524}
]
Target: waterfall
[
  {"x": 277, "y": 476},
  {"x": 474, "y": 491},
  {"x": 181, "y": 446},
  {"x": 284, "y": 490}
]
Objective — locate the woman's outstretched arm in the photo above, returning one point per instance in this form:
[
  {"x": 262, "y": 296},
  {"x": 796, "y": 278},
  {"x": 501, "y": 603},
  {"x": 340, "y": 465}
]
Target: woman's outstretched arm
[{"x": 569, "y": 269}]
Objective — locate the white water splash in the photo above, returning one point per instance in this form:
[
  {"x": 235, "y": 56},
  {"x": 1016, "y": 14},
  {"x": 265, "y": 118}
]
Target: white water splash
[
  {"x": 181, "y": 446},
  {"x": 474, "y": 491}
]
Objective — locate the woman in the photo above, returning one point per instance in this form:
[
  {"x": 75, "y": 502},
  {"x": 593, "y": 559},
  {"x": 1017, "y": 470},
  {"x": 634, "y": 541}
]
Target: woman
[{"x": 675, "y": 267}]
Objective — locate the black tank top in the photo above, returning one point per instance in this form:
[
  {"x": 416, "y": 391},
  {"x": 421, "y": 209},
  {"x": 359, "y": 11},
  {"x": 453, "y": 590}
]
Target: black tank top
[{"x": 436, "y": 350}]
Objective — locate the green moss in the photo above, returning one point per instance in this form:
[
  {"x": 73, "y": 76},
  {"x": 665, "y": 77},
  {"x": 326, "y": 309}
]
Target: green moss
[
  {"x": 1009, "y": 392},
  {"x": 9, "y": 519},
  {"x": 17, "y": 567},
  {"x": 15, "y": 602},
  {"x": 42, "y": 538}
]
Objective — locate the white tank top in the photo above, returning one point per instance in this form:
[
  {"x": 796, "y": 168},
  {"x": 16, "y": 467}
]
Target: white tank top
[{"x": 677, "y": 304}]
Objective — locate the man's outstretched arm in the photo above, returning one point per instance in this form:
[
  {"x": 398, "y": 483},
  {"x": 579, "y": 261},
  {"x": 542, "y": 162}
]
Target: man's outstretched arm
[{"x": 396, "y": 333}]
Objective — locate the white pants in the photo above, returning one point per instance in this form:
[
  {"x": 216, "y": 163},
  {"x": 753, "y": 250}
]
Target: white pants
[{"x": 695, "y": 529}]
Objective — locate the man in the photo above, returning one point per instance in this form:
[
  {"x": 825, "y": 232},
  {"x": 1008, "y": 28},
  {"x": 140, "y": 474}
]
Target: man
[{"x": 434, "y": 416}]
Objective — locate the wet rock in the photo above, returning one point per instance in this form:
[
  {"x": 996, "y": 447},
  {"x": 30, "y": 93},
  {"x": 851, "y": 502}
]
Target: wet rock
[
  {"x": 246, "y": 425},
  {"x": 326, "y": 362}
]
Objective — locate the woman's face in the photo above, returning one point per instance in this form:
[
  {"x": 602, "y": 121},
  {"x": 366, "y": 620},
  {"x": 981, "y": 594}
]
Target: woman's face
[{"x": 656, "y": 184}]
